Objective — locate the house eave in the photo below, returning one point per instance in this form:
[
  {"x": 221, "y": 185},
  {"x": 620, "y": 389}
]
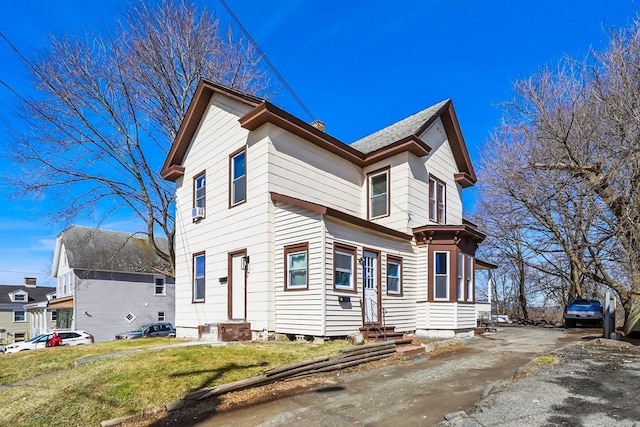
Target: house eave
[
  {"x": 429, "y": 233},
  {"x": 342, "y": 216},
  {"x": 269, "y": 113},
  {"x": 464, "y": 179},
  {"x": 411, "y": 143}
]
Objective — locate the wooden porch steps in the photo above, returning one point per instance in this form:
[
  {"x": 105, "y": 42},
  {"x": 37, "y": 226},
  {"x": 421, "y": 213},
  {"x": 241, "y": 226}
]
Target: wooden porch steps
[{"x": 378, "y": 332}]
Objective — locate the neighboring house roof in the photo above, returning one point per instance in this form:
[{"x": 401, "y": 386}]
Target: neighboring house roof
[
  {"x": 399, "y": 137},
  {"x": 94, "y": 249},
  {"x": 35, "y": 294}
]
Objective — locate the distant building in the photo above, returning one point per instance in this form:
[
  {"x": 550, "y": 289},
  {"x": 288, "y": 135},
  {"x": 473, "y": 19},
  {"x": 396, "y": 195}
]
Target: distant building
[
  {"x": 19, "y": 322},
  {"x": 109, "y": 282}
]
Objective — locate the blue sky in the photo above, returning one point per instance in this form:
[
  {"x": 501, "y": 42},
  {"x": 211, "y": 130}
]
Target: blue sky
[{"x": 357, "y": 65}]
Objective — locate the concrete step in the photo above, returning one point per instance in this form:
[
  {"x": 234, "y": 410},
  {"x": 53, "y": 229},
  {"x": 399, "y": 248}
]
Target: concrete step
[{"x": 410, "y": 350}]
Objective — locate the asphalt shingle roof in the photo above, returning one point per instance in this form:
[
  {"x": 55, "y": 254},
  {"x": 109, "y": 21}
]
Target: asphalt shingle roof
[
  {"x": 104, "y": 250},
  {"x": 397, "y": 131},
  {"x": 36, "y": 294}
]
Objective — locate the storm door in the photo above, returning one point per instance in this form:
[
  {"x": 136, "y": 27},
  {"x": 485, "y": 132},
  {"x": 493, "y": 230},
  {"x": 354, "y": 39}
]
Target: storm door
[
  {"x": 237, "y": 299},
  {"x": 370, "y": 278}
]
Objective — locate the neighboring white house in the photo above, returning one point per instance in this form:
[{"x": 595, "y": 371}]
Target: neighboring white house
[
  {"x": 109, "y": 282},
  {"x": 284, "y": 228}
]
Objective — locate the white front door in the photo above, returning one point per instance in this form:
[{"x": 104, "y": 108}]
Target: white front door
[
  {"x": 370, "y": 279},
  {"x": 237, "y": 287}
]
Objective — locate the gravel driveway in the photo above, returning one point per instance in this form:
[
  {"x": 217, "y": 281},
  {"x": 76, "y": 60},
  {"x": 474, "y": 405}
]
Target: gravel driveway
[{"x": 416, "y": 392}]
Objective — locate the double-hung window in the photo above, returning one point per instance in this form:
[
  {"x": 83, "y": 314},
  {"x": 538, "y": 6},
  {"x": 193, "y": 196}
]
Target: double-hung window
[
  {"x": 19, "y": 316},
  {"x": 379, "y": 194},
  {"x": 394, "y": 276},
  {"x": 470, "y": 281},
  {"x": 461, "y": 280},
  {"x": 437, "y": 200},
  {"x": 344, "y": 259},
  {"x": 198, "y": 277},
  {"x": 199, "y": 193},
  {"x": 238, "y": 172},
  {"x": 297, "y": 266},
  {"x": 160, "y": 288},
  {"x": 441, "y": 275}
]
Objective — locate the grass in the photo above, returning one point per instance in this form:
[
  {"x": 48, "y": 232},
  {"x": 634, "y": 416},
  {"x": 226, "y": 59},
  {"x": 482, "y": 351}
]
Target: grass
[
  {"x": 545, "y": 359},
  {"x": 113, "y": 387}
]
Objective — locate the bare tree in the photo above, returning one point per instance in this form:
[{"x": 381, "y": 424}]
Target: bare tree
[
  {"x": 107, "y": 109},
  {"x": 568, "y": 154}
]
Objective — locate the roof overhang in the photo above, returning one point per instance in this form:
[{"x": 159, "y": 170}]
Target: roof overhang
[
  {"x": 342, "y": 216},
  {"x": 454, "y": 233},
  {"x": 172, "y": 168},
  {"x": 66, "y": 302},
  {"x": 484, "y": 265}
]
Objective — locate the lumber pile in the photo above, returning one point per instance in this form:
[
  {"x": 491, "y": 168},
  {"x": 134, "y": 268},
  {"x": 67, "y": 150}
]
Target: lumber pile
[{"x": 347, "y": 358}]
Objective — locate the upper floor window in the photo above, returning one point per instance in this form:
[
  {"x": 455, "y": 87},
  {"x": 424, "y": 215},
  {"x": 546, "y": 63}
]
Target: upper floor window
[
  {"x": 441, "y": 275},
  {"x": 160, "y": 287},
  {"x": 238, "y": 177},
  {"x": 437, "y": 200},
  {"x": 379, "y": 194},
  {"x": 198, "y": 277},
  {"x": 19, "y": 316},
  {"x": 199, "y": 199},
  {"x": 394, "y": 276},
  {"x": 344, "y": 260},
  {"x": 297, "y": 266},
  {"x": 19, "y": 297}
]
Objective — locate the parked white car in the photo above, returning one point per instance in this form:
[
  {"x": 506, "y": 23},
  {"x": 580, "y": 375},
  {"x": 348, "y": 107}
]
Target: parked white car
[{"x": 40, "y": 341}]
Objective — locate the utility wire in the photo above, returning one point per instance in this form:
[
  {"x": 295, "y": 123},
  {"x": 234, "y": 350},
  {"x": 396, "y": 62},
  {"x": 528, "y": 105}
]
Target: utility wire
[{"x": 264, "y": 56}]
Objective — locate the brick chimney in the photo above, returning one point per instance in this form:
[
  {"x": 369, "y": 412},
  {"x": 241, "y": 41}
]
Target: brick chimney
[
  {"x": 30, "y": 281},
  {"x": 318, "y": 125}
]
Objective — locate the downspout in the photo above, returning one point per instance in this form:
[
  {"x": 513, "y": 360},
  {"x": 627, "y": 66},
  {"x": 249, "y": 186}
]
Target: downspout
[{"x": 323, "y": 239}]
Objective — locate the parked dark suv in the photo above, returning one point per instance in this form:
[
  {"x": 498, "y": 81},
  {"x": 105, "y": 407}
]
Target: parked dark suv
[{"x": 160, "y": 329}]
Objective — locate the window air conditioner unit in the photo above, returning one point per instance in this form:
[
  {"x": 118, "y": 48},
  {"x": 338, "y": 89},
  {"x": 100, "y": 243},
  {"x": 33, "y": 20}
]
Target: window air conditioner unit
[{"x": 197, "y": 214}]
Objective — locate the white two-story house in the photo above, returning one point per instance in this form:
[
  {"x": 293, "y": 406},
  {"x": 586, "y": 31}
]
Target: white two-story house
[{"x": 286, "y": 229}]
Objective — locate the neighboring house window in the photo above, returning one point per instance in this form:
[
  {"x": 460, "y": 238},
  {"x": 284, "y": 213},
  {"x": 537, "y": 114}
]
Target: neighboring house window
[
  {"x": 19, "y": 316},
  {"x": 394, "y": 276},
  {"x": 130, "y": 317},
  {"x": 199, "y": 191},
  {"x": 437, "y": 200},
  {"x": 19, "y": 297},
  {"x": 198, "y": 277},
  {"x": 238, "y": 177},
  {"x": 160, "y": 288},
  {"x": 441, "y": 273},
  {"x": 470, "y": 281},
  {"x": 344, "y": 259},
  {"x": 297, "y": 266},
  {"x": 461, "y": 281},
  {"x": 54, "y": 315},
  {"x": 161, "y": 316},
  {"x": 379, "y": 194},
  {"x": 19, "y": 336}
]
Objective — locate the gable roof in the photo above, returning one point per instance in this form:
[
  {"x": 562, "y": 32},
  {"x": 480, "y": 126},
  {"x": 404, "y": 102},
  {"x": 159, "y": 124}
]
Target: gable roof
[
  {"x": 94, "y": 249},
  {"x": 399, "y": 137},
  {"x": 36, "y": 294},
  {"x": 413, "y": 126}
]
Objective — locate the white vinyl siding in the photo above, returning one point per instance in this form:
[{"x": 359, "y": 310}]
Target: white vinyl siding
[{"x": 299, "y": 312}]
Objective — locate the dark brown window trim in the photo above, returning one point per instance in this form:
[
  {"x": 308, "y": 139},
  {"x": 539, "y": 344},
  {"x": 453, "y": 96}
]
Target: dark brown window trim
[
  {"x": 380, "y": 171},
  {"x": 354, "y": 267},
  {"x": 298, "y": 247},
  {"x": 453, "y": 250},
  {"x": 398, "y": 260},
  {"x": 193, "y": 281},
  {"x": 438, "y": 219},
  {"x": 246, "y": 172}
]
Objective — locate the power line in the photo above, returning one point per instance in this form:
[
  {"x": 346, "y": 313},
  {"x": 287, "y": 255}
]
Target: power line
[{"x": 264, "y": 56}]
